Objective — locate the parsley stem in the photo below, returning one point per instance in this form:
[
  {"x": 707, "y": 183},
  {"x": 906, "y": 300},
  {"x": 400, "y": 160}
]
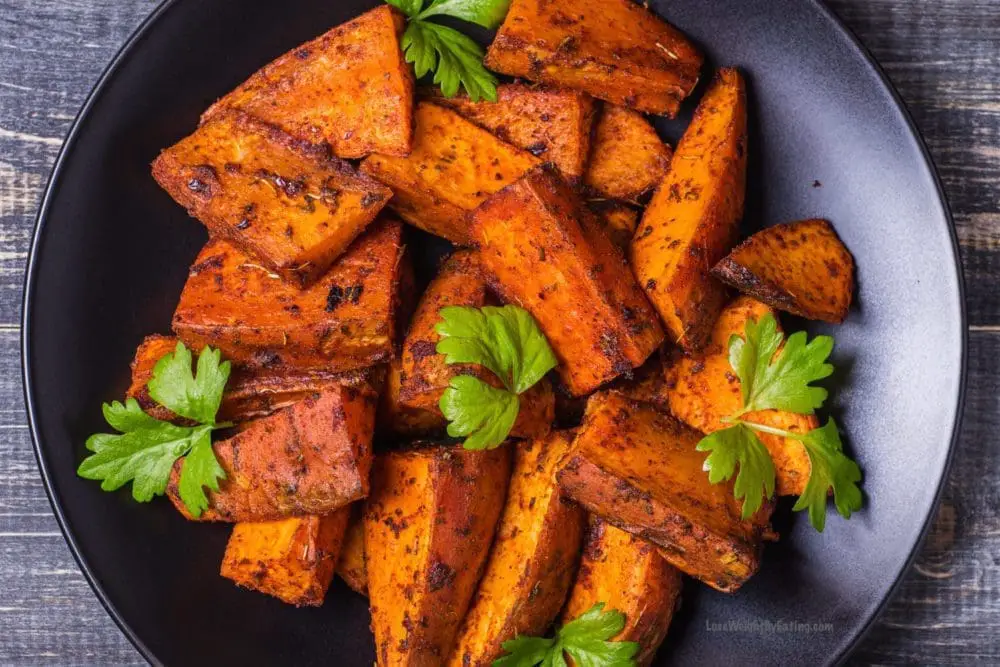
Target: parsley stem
[{"x": 767, "y": 429}]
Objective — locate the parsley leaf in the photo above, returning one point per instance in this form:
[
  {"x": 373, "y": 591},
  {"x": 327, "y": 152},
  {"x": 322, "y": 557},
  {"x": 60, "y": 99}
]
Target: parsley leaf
[
  {"x": 409, "y": 7},
  {"x": 483, "y": 413},
  {"x": 830, "y": 469},
  {"x": 738, "y": 445},
  {"x": 487, "y": 13},
  {"x": 195, "y": 397}
]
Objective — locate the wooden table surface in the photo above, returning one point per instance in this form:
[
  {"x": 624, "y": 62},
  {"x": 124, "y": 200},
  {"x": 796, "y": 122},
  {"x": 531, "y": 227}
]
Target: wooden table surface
[{"x": 942, "y": 55}]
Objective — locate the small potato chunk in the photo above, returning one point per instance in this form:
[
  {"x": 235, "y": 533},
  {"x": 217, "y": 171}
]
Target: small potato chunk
[
  {"x": 543, "y": 250},
  {"x": 351, "y": 566},
  {"x": 615, "y": 50},
  {"x": 291, "y": 205},
  {"x": 349, "y": 87},
  {"x": 345, "y": 321},
  {"x": 454, "y": 166},
  {"x": 628, "y": 574},
  {"x": 619, "y": 221},
  {"x": 533, "y": 559},
  {"x": 428, "y": 527},
  {"x": 702, "y": 389},
  {"x": 637, "y": 468},
  {"x": 801, "y": 268},
  {"x": 628, "y": 158},
  {"x": 311, "y": 458},
  {"x": 291, "y": 559},
  {"x": 692, "y": 220},
  {"x": 648, "y": 384},
  {"x": 397, "y": 419}
]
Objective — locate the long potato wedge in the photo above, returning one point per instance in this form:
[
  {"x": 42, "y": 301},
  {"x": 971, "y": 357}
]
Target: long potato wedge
[
  {"x": 627, "y": 158},
  {"x": 351, "y": 566},
  {"x": 692, "y": 220},
  {"x": 428, "y": 526},
  {"x": 533, "y": 560}
]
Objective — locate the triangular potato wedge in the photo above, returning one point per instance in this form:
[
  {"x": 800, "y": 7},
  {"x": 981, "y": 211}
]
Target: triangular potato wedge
[{"x": 627, "y": 158}]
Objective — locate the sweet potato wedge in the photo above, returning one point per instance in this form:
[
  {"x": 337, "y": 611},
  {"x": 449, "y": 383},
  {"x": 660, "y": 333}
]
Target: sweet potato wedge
[
  {"x": 292, "y": 559},
  {"x": 627, "y": 158},
  {"x": 615, "y": 50},
  {"x": 801, "y": 268},
  {"x": 349, "y": 87},
  {"x": 290, "y": 204},
  {"x": 428, "y": 526},
  {"x": 543, "y": 250},
  {"x": 619, "y": 221},
  {"x": 533, "y": 560},
  {"x": 344, "y": 321},
  {"x": 703, "y": 389},
  {"x": 552, "y": 124},
  {"x": 311, "y": 458},
  {"x": 454, "y": 166},
  {"x": 692, "y": 220},
  {"x": 637, "y": 468},
  {"x": 628, "y": 574},
  {"x": 648, "y": 384},
  {"x": 351, "y": 566}
]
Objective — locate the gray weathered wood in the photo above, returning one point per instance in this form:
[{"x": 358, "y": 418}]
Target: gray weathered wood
[{"x": 943, "y": 55}]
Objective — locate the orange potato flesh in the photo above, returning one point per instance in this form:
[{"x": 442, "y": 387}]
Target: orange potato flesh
[
  {"x": 619, "y": 221},
  {"x": 351, "y": 565},
  {"x": 398, "y": 419},
  {"x": 628, "y": 158}
]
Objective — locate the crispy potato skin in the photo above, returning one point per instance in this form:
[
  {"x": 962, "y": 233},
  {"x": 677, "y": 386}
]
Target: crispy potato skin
[
  {"x": 554, "y": 125},
  {"x": 290, "y": 204},
  {"x": 615, "y": 50},
  {"x": 344, "y": 321},
  {"x": 428, "y": 526},
  {"x": 292, "y": 559},
  {"x": 703, "y": 389},
  {"x": 349, "y": 87},
  {"x": 453, "y": 167},
  {"x": 801, "y": 268},
  {"x": 619, "y": 221},
  {"x": 351, "y": 566},
  {"x": 543, "y": 250},
  {"x": 692, "y": 220},
  {"x": 533, "y": 559},
  {"x": 311, "y": 458},
  {"x": 628, "y": 574},
  {"x": 637, "y": 468},
  {"x": 628, "y": 158}
]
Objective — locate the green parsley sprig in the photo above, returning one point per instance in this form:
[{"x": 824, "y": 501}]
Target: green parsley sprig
[
  {"x": 145, "y": 449},
  {"x": 507, "y": 342},
  {"x": 455, "y": 58},
  {"x": 773, "y": 377}
]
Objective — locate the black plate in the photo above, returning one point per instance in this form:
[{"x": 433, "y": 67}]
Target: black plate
[{"x": 830, "y": 139}]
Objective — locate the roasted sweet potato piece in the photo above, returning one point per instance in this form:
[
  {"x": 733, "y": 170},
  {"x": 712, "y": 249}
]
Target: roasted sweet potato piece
[
  {"x": 349, "y": 87},
  {"x": 290, "y": 204},
  {"x": 648, "y": 384},
  {"x": 627, "y": 158},
  {"x": 428, "y": 526},
  {"x": 616, "y": 50},
  {"x": 351, "y": 566},
  {"x": 543, "y": 250},
  {"x": 637, "y": 468},
  {"x": 345, "y": 321},
  {"x": 311, "y": 458},
  {"x": 703, "y": 389},
  {"x": 693, "y": 219},
  {"x": 533, "y": 560},
  {"x": 394, "y": 418},
  {"x": 801, "y": 268},
  {"x": 454, "y": 166},
  {"x": 628, "y": 574},
  {"x": 619, "y": 221},
  {"x": 552, "y": 124},
  {"x": 292, "y": 559}
]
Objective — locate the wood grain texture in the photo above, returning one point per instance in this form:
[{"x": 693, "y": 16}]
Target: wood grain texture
[{"x": 943, "y": 55}]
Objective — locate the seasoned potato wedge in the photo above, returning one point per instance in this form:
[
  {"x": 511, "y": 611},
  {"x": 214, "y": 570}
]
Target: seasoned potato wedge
[
  {"x": 428, "y": 526},
  {"x": 619, "y": 221},
  {"x": 351, "y": 566},
  {"x": 692, "y": 220},
  {"x": 311, "y": 458},
  {"x": 801, "y": 268},
  {"x": 648, "y": 384},
  {"x": 454, "y": 166},
  {"x": 616, "y": 50},
  {"x": 543, "y": 250},
  {"x": 533, "y": 560},
  {"x": 289, "y": 204},
  {"x": 628, "y": 158},
  {"x": 628, "y": 574},
  {"x": 703, "y": 389},
  {"x": 292, "y": 559},
  {"x": 637, "y": 468},
  {"x": 349, "y": 87},
  {"x": 554, "y": 125},
  {"x": 345, "y": 321},
  {"x": 394, "y": 418}
]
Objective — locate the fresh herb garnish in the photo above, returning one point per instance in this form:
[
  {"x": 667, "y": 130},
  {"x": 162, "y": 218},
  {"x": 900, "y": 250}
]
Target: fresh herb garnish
[
  {"x": 776, "y": 377},
  {"x": 455, "y": 59},
  {"x": 507, "y": 342},
  {"x": 585, "y": 639},
  {"x": 145, "y": 449}
]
